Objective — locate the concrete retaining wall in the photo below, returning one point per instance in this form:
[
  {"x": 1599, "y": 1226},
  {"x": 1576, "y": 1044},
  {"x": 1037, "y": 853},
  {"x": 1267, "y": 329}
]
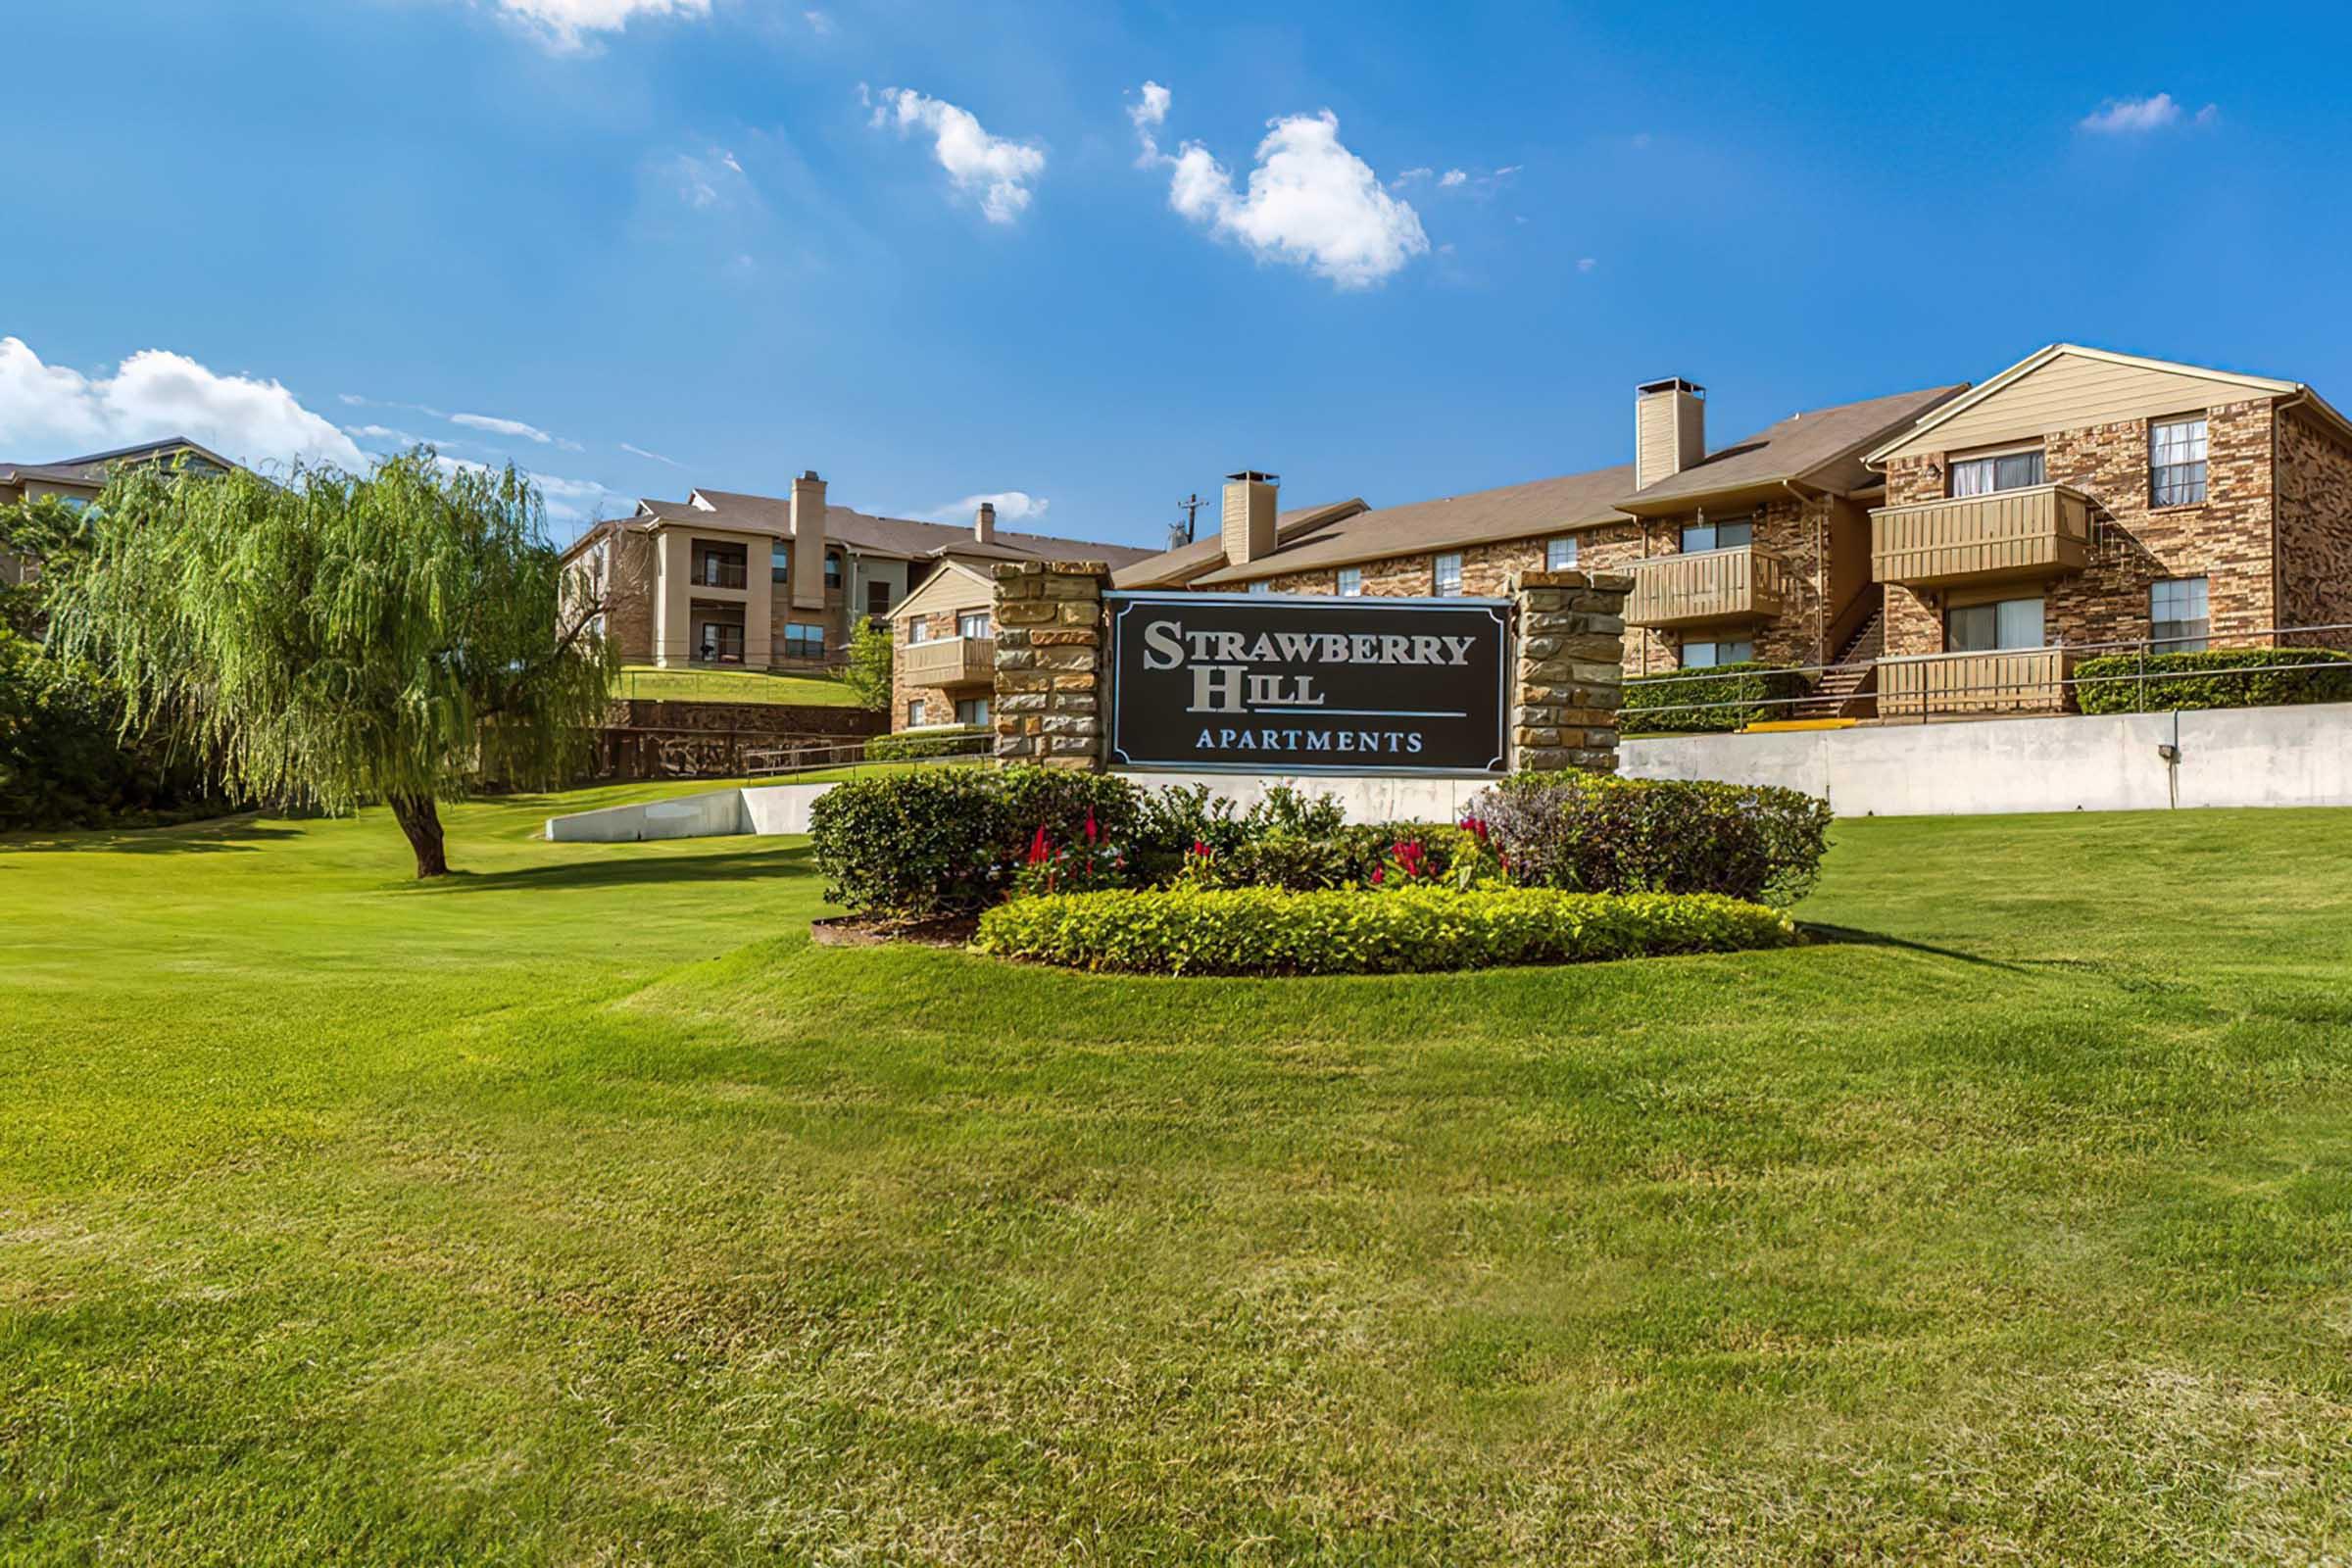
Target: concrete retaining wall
[{"x": 2230, "y": 757}]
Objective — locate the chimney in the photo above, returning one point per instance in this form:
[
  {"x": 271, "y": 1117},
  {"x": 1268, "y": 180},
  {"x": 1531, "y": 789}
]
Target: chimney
[
  {"x": 984, "y": 526},
  {"x": 807, "y": 586},
  {"x": 1249, "y": 516},
  {"x": 1670, "y": 429}
]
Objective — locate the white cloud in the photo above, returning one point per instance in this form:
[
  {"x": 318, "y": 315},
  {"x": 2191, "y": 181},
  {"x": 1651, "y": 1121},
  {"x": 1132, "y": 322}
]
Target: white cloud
[
  {"x": 1586, "y": 263},
  {"x": 382, "y": 433},
  {"x": 1152, "y": 107},
  {"x": 640, "y": 452},
  {"x": 1411, "y": 176},
  {"x": 567, "y": 501},
  {"x": 997, "y": 169},
  {"x": 49, "y": 412},
  {"x": 2133, "y": 117},
  {"x": 1310, "y": 201},
  {"x": 512, "y": 428},
  {"x": 1012, "y": 506},
  {"x": 710, "y": 180},
  {"x": 819, "y": 23},
  {"x": 1453, "y": 177},
  {"x": 565, "y": 23}
]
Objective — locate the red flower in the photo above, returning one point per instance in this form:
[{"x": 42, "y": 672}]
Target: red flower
[
  {"x": 1090, "y": 824},
  {"x": 1038, "y": 848},
  {"x": 1376, "y": 871},
  {"x": 1201, "y": 848}
]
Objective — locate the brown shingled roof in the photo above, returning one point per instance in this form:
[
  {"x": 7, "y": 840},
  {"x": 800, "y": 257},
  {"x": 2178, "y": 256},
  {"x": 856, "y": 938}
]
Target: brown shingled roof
[
  {"x": 1174, "y": 567},
  {"x": 1822, "y": 448},
  {"x": 897, "y": 536},
  {"x": 1514, "y": 511}
]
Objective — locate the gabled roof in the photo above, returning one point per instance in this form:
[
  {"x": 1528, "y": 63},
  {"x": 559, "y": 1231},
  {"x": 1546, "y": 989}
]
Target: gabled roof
[
  {"x": 2265, "y": 384},
  {"x": 1822, "y": 448},
  {"x": 90, "y": 469},
  {"x": 1172, "y": 569},
  {"x": 1514, "y": 511},
  {"x": 739, "y": 512},
  {"x": 951, "y": 576}
]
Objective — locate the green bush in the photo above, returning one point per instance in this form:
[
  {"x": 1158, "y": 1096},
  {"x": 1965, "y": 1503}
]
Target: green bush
[
  {"x": 1682, "y": 702},
  {"x": 1365, "y": 854},
  {"x": 946, "y": 841},
  {"x": 966, "y": 740},
  {"x": 1593, "y": 833},
  {"x": 2112, "y": 683},
  {"x": 1263, "y": 931},
  {"x": 62, "y": 762}
]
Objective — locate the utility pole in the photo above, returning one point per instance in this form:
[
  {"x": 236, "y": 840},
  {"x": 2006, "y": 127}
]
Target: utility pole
[{"x": 1190, "y": 506}]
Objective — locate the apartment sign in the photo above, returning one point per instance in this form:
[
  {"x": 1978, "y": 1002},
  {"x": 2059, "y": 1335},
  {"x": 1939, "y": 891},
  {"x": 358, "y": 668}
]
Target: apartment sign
[{"x": 1308, "y": 684}]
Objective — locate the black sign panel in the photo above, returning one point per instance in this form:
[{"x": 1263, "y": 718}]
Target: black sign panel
[{"x": 1305, "y": 684}]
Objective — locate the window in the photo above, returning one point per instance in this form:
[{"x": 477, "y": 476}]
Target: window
[
  {"x": 2005, "y": 471},
  {"x": 972, "y": 710},
  {"x": 918, "y": 630},
  {"x": 878, "y": 598},
  {"x": 779, "y": 562},
  {"x": 973, "y": 623},
  {"x": 1697, "y": 536},
  {"x": 2177, "y": 606},
  {"x": 1706, "y": 656},
  {"x": 1445, "y": 574},
  {"x": 804, "y": 642},
  {"x": 1352, "y": 582},
  {"x": 2177, "y": 463},
  {"x": 1261, "y": 586},
  {"x": 832, "y": 570},
  {"x": 1988, "y": 628},
  {"x": 1559, "y": 554},
  {"x": 915, "y": 713}
]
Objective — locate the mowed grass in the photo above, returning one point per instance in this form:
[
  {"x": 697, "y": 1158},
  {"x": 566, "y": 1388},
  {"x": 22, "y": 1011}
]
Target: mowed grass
[
  {"x": 650, "y": 683},
  {"x": 580, "y": 1210}
]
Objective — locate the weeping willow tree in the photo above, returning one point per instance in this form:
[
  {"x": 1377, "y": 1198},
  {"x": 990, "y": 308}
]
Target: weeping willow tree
[{"x": 335, "y": 640}]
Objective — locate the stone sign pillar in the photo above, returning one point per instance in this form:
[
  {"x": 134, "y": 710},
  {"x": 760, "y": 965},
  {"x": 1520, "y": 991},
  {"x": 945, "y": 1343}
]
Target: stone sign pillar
[
  {"x": 1048, "y": 706},
  {"x": 1571, "y": 669}
]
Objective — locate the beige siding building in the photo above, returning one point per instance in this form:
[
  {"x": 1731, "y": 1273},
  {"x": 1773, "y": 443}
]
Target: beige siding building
[{"x": 77, "y": 481}]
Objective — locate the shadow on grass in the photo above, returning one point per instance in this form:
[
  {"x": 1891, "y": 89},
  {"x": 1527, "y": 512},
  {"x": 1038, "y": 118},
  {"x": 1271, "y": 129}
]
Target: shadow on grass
[
  {"x": 635, "y": 870},
  {"x": 1847, "y": 936},
  {"x": 241, "y": 834}
]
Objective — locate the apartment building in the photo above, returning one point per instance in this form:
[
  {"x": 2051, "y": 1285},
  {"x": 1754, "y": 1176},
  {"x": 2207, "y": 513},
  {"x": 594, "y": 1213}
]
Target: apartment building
[
  {"x": 1948, "y": 550},
  {"x": 776, "y": 582},
  {"x": 77, "y": 480}
]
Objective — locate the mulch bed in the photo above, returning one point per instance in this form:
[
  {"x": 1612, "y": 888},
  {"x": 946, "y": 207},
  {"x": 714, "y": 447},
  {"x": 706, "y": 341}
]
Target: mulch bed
[{"x": 867, "y": 931}]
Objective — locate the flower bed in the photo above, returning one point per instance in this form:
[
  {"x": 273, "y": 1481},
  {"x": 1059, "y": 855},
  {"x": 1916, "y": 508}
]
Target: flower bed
[{"x": 1265, "y": 931}]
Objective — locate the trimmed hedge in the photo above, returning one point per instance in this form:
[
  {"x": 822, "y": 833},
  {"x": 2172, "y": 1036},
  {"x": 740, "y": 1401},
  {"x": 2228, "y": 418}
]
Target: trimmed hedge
[
  {"x": 1593, "y": 833},
  {"x": 1262, "y": 931},
  {"x": 967, "y": 740},
  {"x": 2111, "y": 684},
  {"x": 1681, "y": 701},
  {"x": 949, "y": 840}
]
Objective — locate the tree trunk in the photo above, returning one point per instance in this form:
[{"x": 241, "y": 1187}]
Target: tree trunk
[{"x": 423, "y": 824}]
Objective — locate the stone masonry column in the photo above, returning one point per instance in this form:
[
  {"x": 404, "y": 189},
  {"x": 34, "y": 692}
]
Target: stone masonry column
[
  {"x": 1571, "y": 669},
  {"x": 1048, "y": 706}
]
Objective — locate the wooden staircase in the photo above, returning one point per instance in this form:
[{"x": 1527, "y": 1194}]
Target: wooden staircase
[{"x": 1850, "y": 689}]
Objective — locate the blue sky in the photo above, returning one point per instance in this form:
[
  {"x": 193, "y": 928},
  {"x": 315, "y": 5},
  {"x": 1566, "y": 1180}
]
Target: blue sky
[{"x": 929, "y": 252}]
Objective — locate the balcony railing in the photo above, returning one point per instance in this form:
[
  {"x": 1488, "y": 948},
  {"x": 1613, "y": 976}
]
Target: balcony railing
[
  {"x": 948, "y": 661},
  {"x": 2036, "y": 532},
  {"x": 1741, "y": 583},
  {"x": 709, "y": 574},
  {"x": 2014, "y": 680}
]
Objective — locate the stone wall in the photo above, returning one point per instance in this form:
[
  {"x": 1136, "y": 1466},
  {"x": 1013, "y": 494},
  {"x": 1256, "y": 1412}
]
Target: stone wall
[
  {"x": 2225, "y": 539},
  {"x": 1569, "y": 669},
  {"x": 2314, "y": 527},
  {"x": 1049, "y": 695},
  {"x": 648, "y": 739}
]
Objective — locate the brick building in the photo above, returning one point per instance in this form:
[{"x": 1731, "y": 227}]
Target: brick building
[
  {"x": 1948, "y": 550},
  {"x": 776, "y": 582}
]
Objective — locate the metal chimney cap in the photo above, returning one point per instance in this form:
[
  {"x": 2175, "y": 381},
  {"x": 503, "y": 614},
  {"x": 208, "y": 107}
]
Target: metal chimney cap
[
  {"x": 1254, "y": 476},
  {"x": 1673, "y": 383},
  {"x": 810, "y": 473}
]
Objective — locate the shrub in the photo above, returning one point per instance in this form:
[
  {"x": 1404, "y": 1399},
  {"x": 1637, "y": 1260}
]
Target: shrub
[
  {"x": 63, "y": 762},
  {"x": 1592, "y": 833},
  {"x": 946, "y": 841},
  {"x": 966, "y": 740},
  {"x": 1262, "y": 931},
  {"x": 2112, "y": 683},
  {"x": 1683, "y": 702},
  {"x": 1366, "y": 855}
]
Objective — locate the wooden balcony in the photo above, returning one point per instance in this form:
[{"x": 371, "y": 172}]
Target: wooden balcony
[
  {"x": 2011, "y": 535},
  {"x": 2015, "y": 680},
  {"x": 1742, "y": 583},
  {"x": 948, "y": 661}
]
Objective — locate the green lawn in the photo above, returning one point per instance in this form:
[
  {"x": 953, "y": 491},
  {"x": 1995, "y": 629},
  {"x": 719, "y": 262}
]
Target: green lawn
[
  {"x": 649, "y": 684},
  {"x": 580, "y": 1210}
]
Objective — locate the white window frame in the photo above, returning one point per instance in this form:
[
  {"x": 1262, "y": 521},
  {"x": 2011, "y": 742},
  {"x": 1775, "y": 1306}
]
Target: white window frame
[
  {"x": 915, "y": 713},
  {"x": 1715, "y": 647},
  {"x": 2007, "y": 617},
  {"x": 2195, "y": 593},
  {"x": 1559, "y": 554},
  {"x": 918, "y": 630},
  {"x": 965, "y": 618},
  {"x": 1350, "y": 582},
  {"x": 1960, "y": 481},
  {"x": 1259, "y": 587},
  {"x": 1445, "y": 574},
  {"x": 2198, "y": 440},
  {"x": 978, "y": 707},
  {"x": 1714, "y": 532}
]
